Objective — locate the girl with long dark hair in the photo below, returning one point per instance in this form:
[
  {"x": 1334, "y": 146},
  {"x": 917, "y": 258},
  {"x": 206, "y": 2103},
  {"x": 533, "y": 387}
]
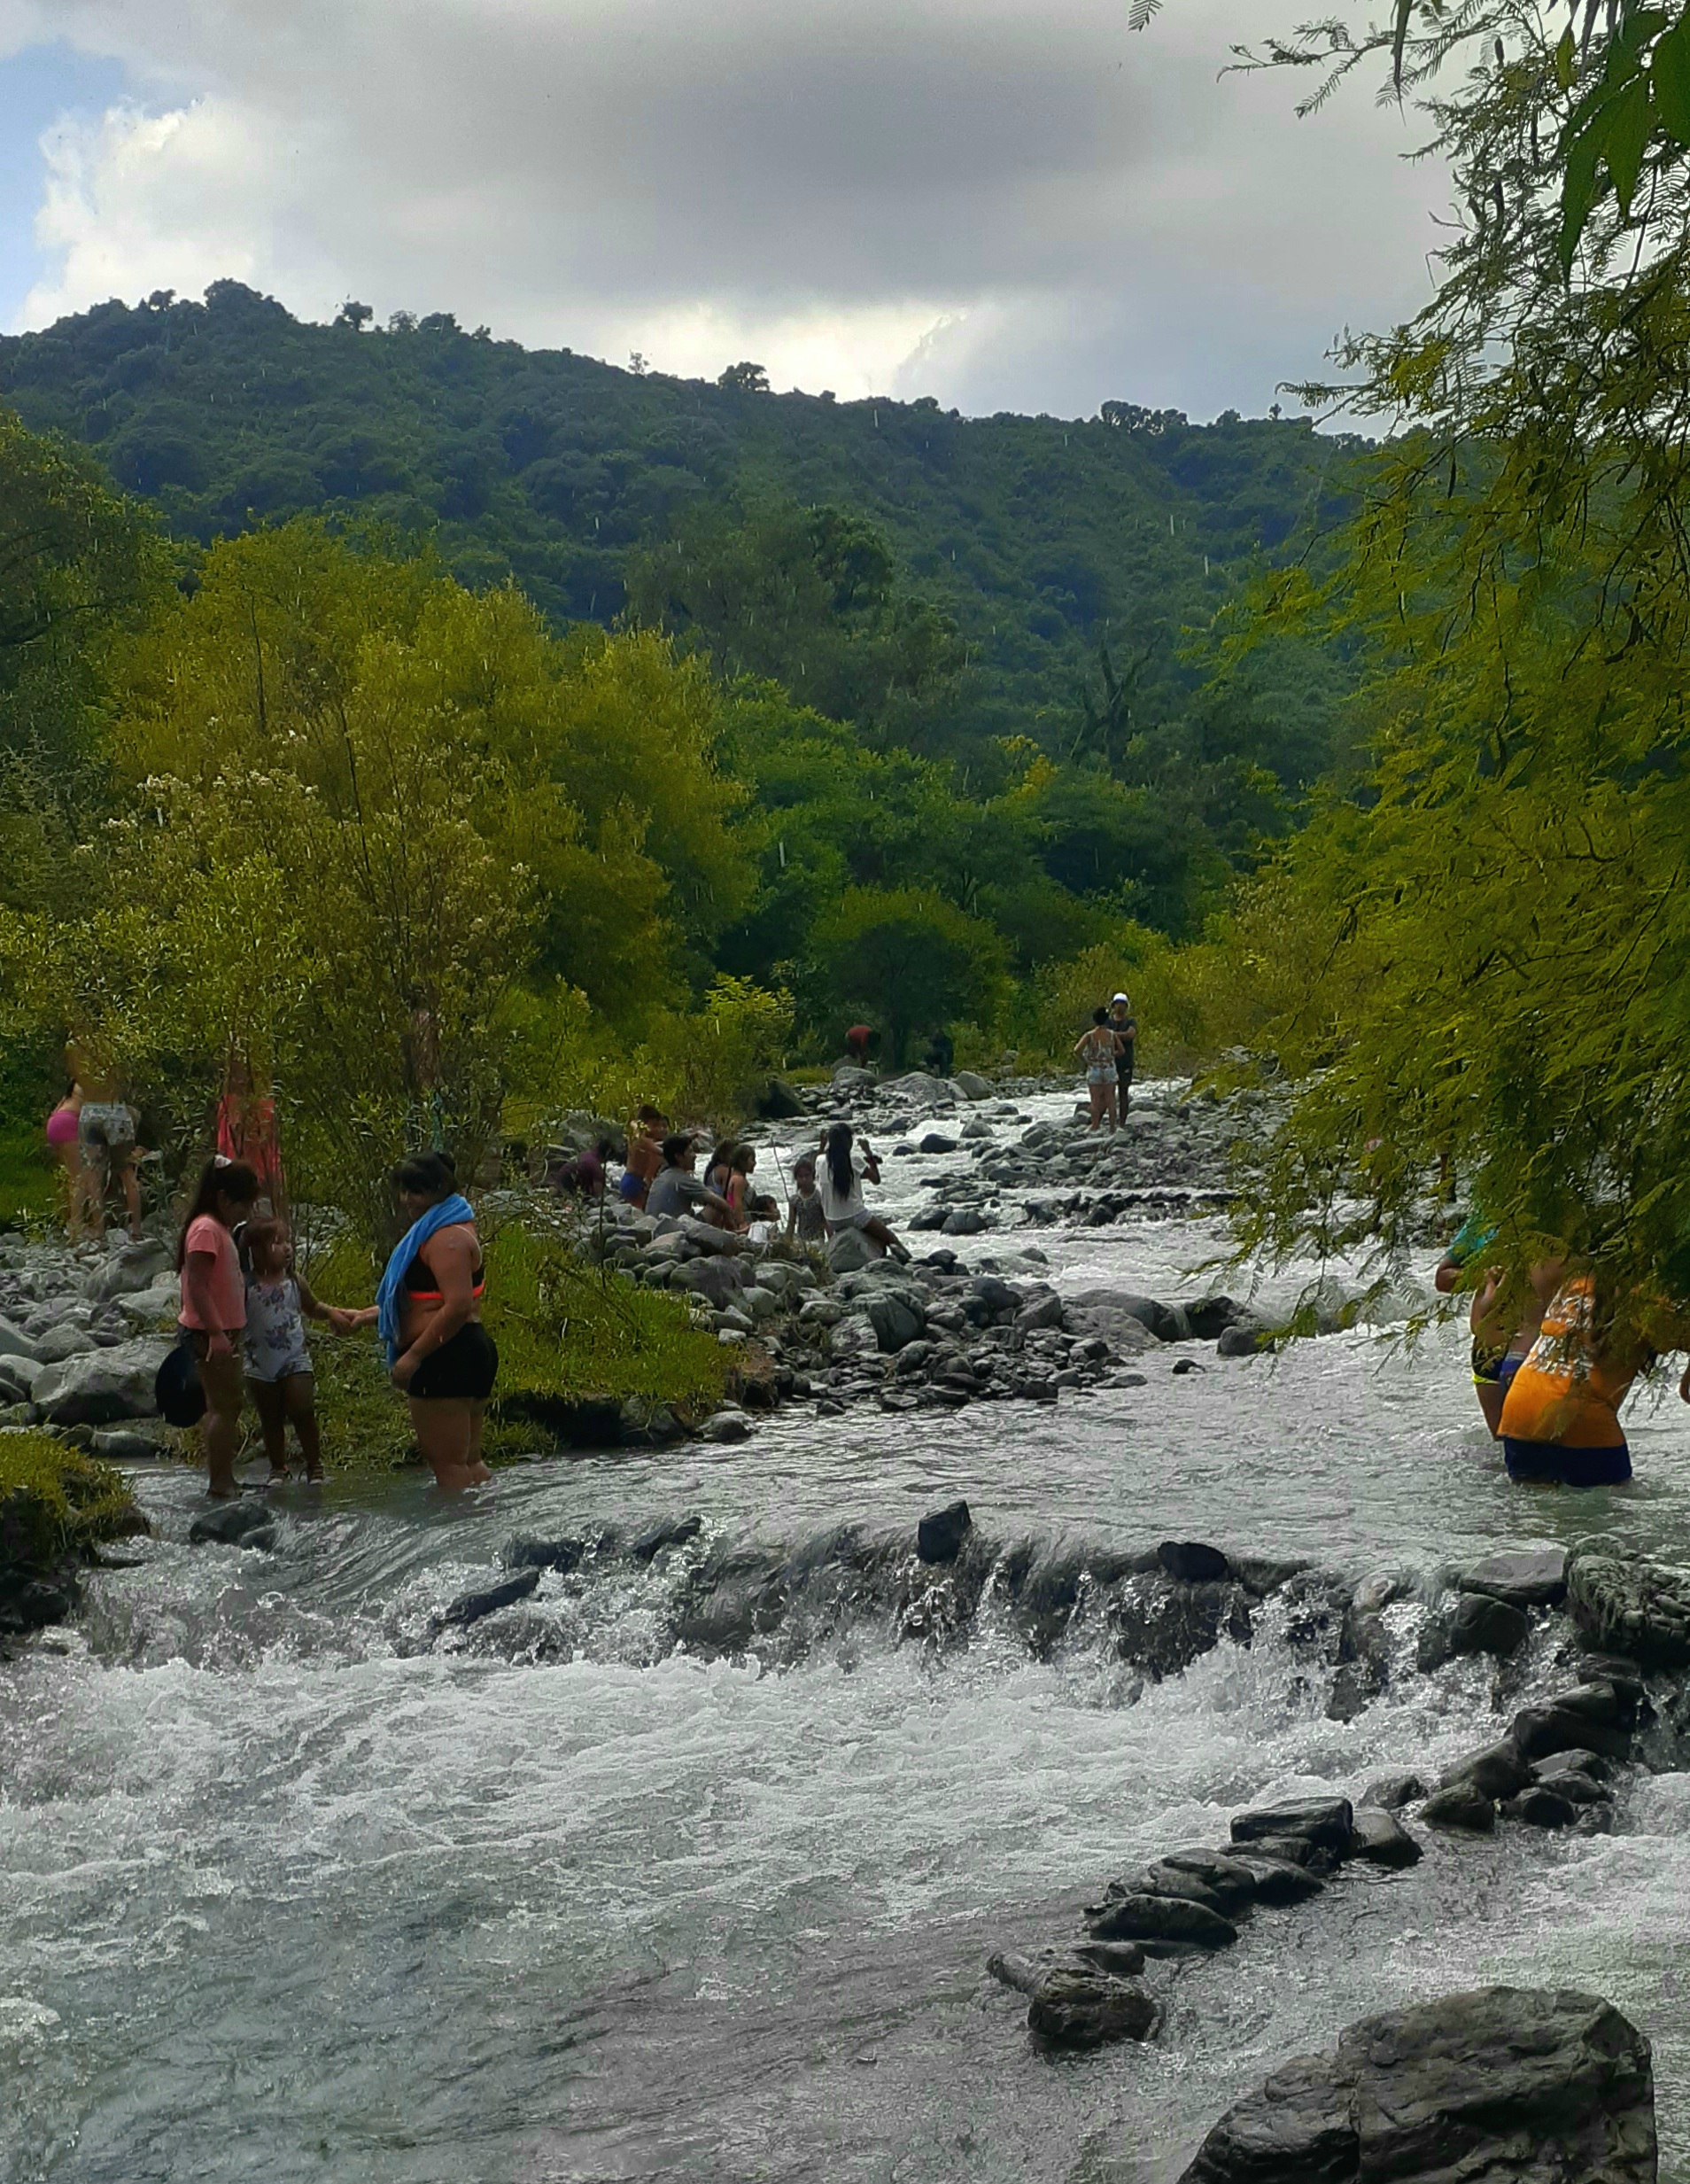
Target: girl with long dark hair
[
  {"x": 214, "y": 1308},
  {"x": 840, "y": 1186}
]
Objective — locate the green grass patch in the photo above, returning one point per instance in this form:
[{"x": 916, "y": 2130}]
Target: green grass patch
[
  {"x": 568, "y": 1332},
  {"x": 54, "y": 1501},
  {"x": 32, "y": 1191}
]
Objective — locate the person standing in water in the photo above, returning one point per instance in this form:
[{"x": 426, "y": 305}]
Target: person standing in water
[
  {"x": 428, "y": 1311},
  {"x": 1561, "y": 1417},
  {"x": 214, "y": 1308},
  {"x": 1096, "y": 1049},
  {"x": 279, "y": 1378}
]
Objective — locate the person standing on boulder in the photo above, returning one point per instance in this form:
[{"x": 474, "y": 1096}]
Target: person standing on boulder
[
  {"x": 840, "y": 1186},
  {"x": 214, "y": 1308},
  {"x": 1124, "y": 1024}
]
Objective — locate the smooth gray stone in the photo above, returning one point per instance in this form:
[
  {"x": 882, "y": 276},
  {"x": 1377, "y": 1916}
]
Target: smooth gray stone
[
  {"x": 1527, "y": 1577},
  {"x": 1382, "y": 1839},
  {"x": 1508, "y": 2085},
  {"x": 1462, "y": 1808},
  {"x": 1327, "y": 1822}
]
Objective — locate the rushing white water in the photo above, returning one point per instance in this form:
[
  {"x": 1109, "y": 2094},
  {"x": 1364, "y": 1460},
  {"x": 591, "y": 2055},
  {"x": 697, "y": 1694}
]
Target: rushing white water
[{"x": 290, "y": 1888}]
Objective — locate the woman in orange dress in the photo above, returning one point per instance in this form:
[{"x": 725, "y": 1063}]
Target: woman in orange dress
[{"x": 1560, "y": 1420}]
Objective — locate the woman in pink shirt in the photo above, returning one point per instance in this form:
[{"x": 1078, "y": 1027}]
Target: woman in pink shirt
[{"x": 213, "y": 1308}]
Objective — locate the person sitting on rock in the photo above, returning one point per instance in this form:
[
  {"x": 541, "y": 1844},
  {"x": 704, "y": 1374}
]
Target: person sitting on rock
[
  {"x": 840, "y": 1181},
  {"x": 676, "y": 1189},
  {"x": 645, "y": 1153},
  {"x": 806, "y": 1223},
  {"x": 742, "y": 1162}
]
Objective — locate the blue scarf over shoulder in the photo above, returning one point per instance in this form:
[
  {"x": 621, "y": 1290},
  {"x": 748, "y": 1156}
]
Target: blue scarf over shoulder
[{"x": 444, "y": 1216}]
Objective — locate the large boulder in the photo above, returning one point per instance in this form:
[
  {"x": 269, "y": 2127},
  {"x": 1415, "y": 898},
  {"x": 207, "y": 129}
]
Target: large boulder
[
  {"x": 850, "y": 1251},
  {"x": 132, "y": 1266},
  {"x": 924, "y": 1090},
  {"x": 1506, "y": 2085},
  {"x": 1630, "y": 1605},
  {"x": 778, "y": 1102},
  {"x": 971, "y": 1086},
  {"x": 1529, "y": 1577},
  {"x": 851, "y": 1076},
  {"x": 101, "y": 1387},
  {"x": 718, "y": 1279},
  {"x": 1108, "y": 1313},
  {"x": 897, "y": 1318},
  {"x": 15, "y": 1343}
]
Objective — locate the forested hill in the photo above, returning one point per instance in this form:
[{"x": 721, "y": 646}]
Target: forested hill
[{"x": 1017, "y": 544}]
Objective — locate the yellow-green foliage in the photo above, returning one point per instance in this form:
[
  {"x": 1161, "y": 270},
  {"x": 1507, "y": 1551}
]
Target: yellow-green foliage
[
  {"x": 54, "y": 1501},
  {"x": 1193, "y": 1000}
]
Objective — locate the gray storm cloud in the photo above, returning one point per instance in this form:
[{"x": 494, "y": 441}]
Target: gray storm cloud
[{"x": 856, "y": 193}]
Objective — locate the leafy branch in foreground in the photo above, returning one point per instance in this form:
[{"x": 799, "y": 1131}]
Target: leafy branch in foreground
[{"x": 1496, "y": 930}]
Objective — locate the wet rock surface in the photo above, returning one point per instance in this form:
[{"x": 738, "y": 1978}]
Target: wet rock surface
[
  {"x": 1506, "y": 2085},
  {"x": 1631, "y": 1605}
]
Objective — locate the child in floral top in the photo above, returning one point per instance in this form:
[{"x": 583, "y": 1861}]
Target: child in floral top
[{"x": 278, "y": 1364}]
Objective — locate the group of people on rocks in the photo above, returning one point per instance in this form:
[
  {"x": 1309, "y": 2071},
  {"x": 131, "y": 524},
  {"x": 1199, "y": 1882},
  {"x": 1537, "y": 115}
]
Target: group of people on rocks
[
  {"x": 660, "y": 1177},
  {"x": 244, "y": 1307},
  {"x": 1553, "y": 1362},
  {"x": 1106, "y": 1049}
]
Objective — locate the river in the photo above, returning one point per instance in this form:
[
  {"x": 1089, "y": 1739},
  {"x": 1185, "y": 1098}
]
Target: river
[{"x": 291, "y": 1888}]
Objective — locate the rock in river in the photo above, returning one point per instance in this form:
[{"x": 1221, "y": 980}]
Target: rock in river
[
  {"x": 1461, "y": 1808},
  {"x": 101, "y": 1387},
  {"x": 1631, "y": 1605},
  {"x": 1163, "y": 1924},
  {"x": 1508, "y": 2085},
  {"x": 1328, "y": 1822},
  {"x": 1477, "y": 1623},
  {"x": 470, "y": 1607},
  {"x": 1531, "y": 1577},
  {"x": 940, "y": 1533},
  {"x": 235, "y": 1524}
]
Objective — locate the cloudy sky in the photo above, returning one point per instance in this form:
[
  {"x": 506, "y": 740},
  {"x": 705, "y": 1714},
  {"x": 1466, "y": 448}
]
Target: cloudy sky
[{"x": 1008, "y": 205}]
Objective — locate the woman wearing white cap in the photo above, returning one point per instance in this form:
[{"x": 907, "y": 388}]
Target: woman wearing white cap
[{"x": 1124, "y": 1024}]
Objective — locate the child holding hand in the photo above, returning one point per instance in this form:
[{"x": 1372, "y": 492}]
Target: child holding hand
[{"x": 278, "y": 1364}]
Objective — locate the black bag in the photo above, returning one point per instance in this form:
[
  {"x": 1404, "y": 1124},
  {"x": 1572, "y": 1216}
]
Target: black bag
[{"x": 176, "y": 1389}]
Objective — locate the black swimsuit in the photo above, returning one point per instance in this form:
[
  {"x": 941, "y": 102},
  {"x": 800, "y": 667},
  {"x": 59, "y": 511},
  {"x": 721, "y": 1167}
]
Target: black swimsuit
[{"x": 465, "y": 1366}]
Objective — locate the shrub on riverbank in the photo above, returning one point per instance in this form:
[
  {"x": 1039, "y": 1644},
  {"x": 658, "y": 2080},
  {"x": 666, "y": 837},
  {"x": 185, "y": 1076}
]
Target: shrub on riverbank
[{"x": 55, "y": 1500}]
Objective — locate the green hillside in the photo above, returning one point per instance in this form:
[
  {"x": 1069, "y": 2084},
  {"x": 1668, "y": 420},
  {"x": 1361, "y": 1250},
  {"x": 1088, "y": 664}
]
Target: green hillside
[{"x": 1025, "y": 541}]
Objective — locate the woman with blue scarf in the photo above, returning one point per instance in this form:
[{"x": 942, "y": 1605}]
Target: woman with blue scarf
[{"x": 427, "y": 1308}]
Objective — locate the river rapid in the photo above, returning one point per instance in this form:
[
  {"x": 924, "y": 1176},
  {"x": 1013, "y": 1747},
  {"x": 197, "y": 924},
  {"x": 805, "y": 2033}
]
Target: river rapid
[{"x": 295, "y": 1886}]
